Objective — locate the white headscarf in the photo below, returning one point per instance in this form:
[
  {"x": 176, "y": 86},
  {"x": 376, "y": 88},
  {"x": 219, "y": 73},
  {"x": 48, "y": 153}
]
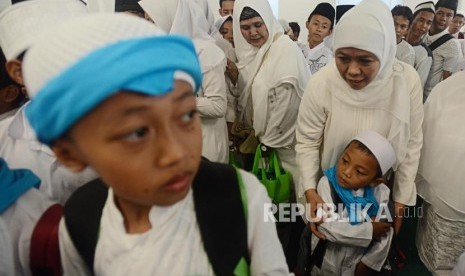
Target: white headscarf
[
  {"x": 441, "y": 172},
  {"x": 285, "y": 64},
  {"x": 246, "y": 53},
  {"x": 369, "y": 26},
  {"x": 182, "y": 17}
]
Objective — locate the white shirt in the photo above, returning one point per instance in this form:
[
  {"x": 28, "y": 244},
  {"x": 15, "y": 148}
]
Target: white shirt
[
  {"x": 405, "y": 53},
  {"x": 317, "y": 57},
  {"x": 445, "y": 58},
  {"x": 20, "y": 149},
  {"x": 8, "y": 114},
  {"x": 212, "y": 104},
  {"x": 20, "y": 219},
  {"x": 350, "y": 244},
  {"x": 423, "y": 61},
  {"x": 174, "y": 245}
]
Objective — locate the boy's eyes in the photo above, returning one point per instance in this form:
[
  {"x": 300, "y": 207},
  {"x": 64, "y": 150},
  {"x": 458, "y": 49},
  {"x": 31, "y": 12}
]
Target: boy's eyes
[
  {"x": 136, "y": 135},
  {"x": 187, "y": 117}
]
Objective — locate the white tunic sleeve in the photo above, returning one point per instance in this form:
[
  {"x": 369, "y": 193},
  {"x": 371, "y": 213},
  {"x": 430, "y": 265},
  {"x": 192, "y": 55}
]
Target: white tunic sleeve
[
  {"x": 211, "y": 103},
  {"x": 266, "y": 253},
  {"x": 404, "y": 190},
  {"x": 311, "y": 122},
  {"x": 378, "y": 251},
  {"x": 342, "y": 232}
]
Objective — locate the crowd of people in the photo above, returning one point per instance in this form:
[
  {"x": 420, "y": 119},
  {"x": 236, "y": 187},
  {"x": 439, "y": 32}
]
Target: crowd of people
[{"x": 122, "y": 121}]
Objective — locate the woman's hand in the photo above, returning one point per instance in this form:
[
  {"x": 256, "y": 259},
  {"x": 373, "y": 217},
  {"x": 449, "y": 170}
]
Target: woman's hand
[
  {"x": 313, "y": 201},
  {"x": 231, "y": 71}
]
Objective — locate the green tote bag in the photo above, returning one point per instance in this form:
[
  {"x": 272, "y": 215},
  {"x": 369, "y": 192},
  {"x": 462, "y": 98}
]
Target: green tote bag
[{"x": 276, "y": 179}]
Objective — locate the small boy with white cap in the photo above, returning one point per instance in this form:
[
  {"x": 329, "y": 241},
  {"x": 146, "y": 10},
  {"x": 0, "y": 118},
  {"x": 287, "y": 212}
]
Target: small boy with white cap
[
  {"x": 122, "y": 100},
  {"x": 356, "y": 241}
]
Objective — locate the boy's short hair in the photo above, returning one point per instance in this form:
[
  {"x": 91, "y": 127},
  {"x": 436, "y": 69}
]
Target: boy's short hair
[
  {"x": 404, "y": 11},
  {"x": 295, "y": 27},
  {"x": 361, "y": 146},
  {"x": 221, "y": 2},
  {"x": 371, "y": 142},
  {"x": 326, "y": 10},
  {"x": 129, "y": 6}
]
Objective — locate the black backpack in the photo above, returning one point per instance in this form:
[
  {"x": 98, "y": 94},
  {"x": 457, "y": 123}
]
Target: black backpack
[{"x": 216, "y": 188}]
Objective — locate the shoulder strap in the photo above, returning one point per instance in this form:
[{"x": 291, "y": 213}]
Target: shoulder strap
[
  {"x": 44, "y": 254},
  {"x": 438, "y": 42},
  {"x": 83, "y": 211},
  {"x": 221, "y": 216}
]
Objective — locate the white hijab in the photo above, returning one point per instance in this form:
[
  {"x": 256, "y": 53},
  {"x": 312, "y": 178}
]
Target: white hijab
[
  {"x": 285, "y": 64},
  {"x": 186, "y": 17},
  {"x": 441, "y": 173},
  {"x": 183, "y": 17},
  {"x": 374, "y": 33}
]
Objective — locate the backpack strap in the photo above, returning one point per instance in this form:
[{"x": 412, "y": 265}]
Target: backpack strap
[
  {"x": 83, "y": 211},
  {"x": 221, "y": 211},
  {"x": 438, "y": 42},
  {"x": 221, "y": 216},
  {"x": 44, "y": 252}
]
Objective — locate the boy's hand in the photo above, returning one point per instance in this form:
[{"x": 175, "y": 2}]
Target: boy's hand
[
  {"x": 380, "y": 229},
  {"x": 313, "y": 199}
]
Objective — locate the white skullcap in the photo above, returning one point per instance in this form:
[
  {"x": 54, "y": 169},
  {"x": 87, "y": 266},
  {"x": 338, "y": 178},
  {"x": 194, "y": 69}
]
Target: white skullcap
[
  {"x": 380, "y": 147},
  {"x": 21, "y": 23},
  {"x": 58, "y": 48},
  {"x": 425, "y": 6},
  {"x": 460, "y": 12}
]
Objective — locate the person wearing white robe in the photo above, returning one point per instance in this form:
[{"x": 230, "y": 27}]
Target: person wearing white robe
[
  {"x": 20, "y": 210},
  {"x": 332, "y": 112},
  {"x": 186, "y": 18},
  {"x": 271, "y": 82},
  {"x": 20, "y": 25},
  {"x": 440, "y": 177},
  {"x": 173, "y": 244}
]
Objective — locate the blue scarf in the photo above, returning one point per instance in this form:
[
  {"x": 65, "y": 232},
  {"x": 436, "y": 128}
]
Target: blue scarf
[
  {"x": 350, "y": 201},
  {"x": 14, "y": 183}
]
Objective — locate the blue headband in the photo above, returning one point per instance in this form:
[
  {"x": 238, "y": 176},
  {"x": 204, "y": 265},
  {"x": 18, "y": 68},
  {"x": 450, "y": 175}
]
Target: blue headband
[{"x": 143, "y": 65}]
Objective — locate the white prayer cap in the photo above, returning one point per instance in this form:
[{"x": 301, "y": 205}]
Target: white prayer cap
[
  {"x": 380, "y": 147},
  {"x": 425, "y": 6},
  {"x": 460, "y": 12},
  {"x": 58, "y": 48},
  {"x": 23, "y": 22}
]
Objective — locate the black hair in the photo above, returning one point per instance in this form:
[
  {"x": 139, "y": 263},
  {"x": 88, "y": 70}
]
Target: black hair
[
  {"x": 404, "y": 11},
  {"x": 360, "y": 146},
  {"x": 295, "y": 27},
  {"x": 130, "y": 6},
  {"x": 460, "y": 15},
  {"x": 221, "y": 2},
  {"x": 6, "y": 80},
  {"x": 248, "y": 13}
]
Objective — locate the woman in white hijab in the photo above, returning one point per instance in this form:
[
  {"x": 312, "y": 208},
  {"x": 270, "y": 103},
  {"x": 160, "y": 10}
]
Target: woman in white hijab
[
  {"x": 440, "y": 177},
  {"x": 272, "y": 78},
  {"x": 364, "y": 88},
  {"x": 185, "y": 17}
]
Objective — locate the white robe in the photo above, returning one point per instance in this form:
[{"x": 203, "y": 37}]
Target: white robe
[
  {"x": 20, "y": 219},
  {"x": 174, "y": 245},
  {"x": 21, "y": 150},
  {"x": 350, "y": 244},
  {"x": 332, "y": 113}
]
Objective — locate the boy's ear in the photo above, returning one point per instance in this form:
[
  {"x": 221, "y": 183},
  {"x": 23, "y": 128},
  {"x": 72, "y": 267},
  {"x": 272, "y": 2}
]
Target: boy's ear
[
  {"x": 377, "y": 181},
  {"x": 14, "y": 69},
  {"x": 306, "y": 24},
  {"x": 10, "y": 93},
  {"x": 68, "y": 155}
]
